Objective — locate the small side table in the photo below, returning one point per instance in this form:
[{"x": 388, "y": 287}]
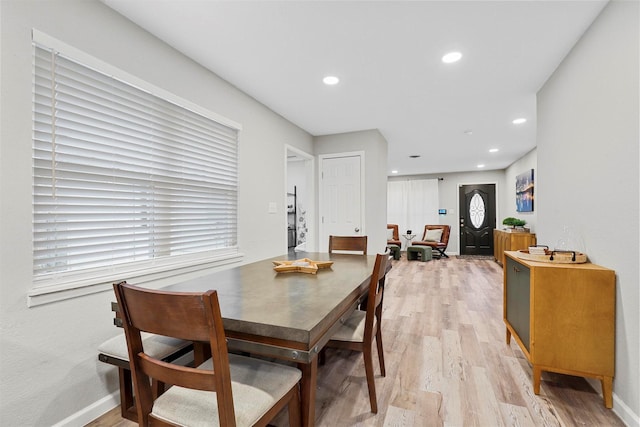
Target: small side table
[{"x": 409, "y": 238}]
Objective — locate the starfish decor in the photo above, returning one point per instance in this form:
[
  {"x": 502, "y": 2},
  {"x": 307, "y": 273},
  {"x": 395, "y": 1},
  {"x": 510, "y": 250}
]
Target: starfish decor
[{"x": 304, "y": 265}]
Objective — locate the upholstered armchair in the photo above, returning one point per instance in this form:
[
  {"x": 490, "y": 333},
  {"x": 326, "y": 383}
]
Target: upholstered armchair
[
  {"x": 393, "y": 236},
  {"x": 435, "y": 236}
]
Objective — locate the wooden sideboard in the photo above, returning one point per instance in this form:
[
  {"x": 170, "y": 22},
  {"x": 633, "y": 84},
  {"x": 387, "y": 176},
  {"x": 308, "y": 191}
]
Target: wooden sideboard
[
  {"x": 563, "y": 318},
  {"x": 508, "y": 241}
]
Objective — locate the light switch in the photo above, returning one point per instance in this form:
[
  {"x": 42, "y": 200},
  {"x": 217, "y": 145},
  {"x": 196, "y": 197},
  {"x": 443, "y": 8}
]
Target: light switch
[{"x": 273, "y": 207}]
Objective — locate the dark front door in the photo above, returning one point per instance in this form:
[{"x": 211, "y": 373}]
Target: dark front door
[{"x": 477, "y": 218}]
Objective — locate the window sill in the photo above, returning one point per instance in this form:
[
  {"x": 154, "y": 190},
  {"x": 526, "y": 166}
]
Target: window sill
[{"x": 47, "y": 295}]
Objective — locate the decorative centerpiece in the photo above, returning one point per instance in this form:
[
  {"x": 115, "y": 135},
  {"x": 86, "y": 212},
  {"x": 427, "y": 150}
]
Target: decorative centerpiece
[{"x": 304, "y": 265}]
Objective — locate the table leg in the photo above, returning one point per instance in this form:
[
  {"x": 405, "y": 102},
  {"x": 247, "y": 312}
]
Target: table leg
[{"x": 308, "y": 391}]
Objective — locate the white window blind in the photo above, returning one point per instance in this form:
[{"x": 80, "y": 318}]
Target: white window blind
[{"x": 124, "y": 180}]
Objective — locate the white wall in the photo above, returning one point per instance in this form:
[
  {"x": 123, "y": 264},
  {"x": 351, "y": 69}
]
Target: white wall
[
  {"x": 588, "y": 162},
  {"x": 48, "y": 359},
  {"x": 373, "y": 144},
  {"x": 522, "y": 165}
]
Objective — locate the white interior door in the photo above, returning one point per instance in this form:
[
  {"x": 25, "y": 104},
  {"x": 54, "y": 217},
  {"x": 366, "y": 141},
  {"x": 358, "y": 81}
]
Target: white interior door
[{"x": 341, "y": 203}]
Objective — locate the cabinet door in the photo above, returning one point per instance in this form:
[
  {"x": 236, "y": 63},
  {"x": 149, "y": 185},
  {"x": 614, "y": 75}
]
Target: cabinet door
[{"x": 518, "y": 299}]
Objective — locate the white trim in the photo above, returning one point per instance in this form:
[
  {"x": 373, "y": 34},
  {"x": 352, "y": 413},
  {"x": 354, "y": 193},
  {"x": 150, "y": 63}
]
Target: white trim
[
  {"x": 623, "y": 411},
  {"x": 91, "y": 412},
  {"x": 46, "y": 295},
  {"x": 130, "y": 79}
]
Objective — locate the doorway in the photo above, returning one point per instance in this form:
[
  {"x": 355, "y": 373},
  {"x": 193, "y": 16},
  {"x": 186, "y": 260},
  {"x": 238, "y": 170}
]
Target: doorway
[
  {"x": 477, "y": 218},
  {"x": 341, "y": 190},
  {"x": 299, "y": 201}
]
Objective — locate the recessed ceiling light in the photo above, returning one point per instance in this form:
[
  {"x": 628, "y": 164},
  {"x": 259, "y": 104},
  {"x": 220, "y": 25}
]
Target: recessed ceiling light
[
  {"x": 494, "y": 150},
  {"x": 519, "y": 121},
  {"x": 394, "y": 171},
  {"x": 480, "y": 166},
  {"x": 451, "y": 57},
  {"x": 331, "y": 80},
  {"x": 468, "y": 132}
]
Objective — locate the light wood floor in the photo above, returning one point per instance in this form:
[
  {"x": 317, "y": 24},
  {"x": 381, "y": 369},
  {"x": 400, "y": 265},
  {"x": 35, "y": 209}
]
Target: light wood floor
[{"x": 447, "y": 361}]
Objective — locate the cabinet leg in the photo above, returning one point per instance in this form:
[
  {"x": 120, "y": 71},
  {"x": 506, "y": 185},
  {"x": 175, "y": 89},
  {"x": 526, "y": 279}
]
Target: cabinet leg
[
  {"x": 508, "y": 336},
  {"x": 537, "y": 375},
  {"x": 607, "y": 391}
]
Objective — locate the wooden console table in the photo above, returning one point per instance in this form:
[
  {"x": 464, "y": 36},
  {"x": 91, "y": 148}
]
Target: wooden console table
[
  {"x": 563, "y": 318},
  {"x": 510, "y": 241}
]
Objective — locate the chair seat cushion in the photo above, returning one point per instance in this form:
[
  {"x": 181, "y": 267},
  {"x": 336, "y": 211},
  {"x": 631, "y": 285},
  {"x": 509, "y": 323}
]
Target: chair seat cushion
[
  {"x": 431, "y": 244},
  {"x": 157, "y": 346},
  {"x": 352, "y": 330},
  {"x": 256, "y": 386}
]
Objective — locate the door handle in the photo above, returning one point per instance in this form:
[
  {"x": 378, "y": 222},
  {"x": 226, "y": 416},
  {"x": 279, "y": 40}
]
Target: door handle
[{"x": 357, "y": 230}]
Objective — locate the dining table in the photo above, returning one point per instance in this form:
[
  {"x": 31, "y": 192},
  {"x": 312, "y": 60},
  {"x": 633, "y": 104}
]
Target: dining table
[{"x": 287, "y": 315}]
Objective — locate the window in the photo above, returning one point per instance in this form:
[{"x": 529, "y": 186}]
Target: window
[
  {"x": 477, "y": 210},
  {"x": 412, "y": 204},
  {"x": 124, "y": 181}
]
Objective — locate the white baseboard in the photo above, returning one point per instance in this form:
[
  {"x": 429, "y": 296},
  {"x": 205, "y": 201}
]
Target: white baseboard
[
  {"x": 619, "y": 407},
  {"x": 625, "y": 413},
  {"x": 91, "y": 412}
]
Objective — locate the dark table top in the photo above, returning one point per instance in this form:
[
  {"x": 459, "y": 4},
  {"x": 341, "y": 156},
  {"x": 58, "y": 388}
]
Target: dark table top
[{"x": 297, "y": 308}]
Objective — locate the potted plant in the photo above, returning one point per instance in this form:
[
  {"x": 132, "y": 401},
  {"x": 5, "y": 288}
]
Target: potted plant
[
  {"x": 512, "y": 222},
  {"x": 509, "y": 221}
]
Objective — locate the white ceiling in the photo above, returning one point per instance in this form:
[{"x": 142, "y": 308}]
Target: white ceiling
[{"x": 387, "y": 55}]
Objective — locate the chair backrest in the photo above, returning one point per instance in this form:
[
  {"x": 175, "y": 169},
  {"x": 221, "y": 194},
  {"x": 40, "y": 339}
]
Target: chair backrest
[
  {"x": 375, "y": 295},
  {"x": 396, "y": 233},
  {"x": 446, "y": 230},
  {"x": 188, "y": 316},
  {"x": 348, "y": 243}
]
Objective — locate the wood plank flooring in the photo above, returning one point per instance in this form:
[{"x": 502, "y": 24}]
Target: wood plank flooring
[{"x": 447, "y": 362}]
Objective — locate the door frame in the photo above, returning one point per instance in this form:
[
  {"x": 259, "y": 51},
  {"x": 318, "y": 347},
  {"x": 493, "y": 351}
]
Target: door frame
[
  {"x": 457, "y": 222},
  {"x": 309, "y": 199},
  {"x": 321, "y": 159}
]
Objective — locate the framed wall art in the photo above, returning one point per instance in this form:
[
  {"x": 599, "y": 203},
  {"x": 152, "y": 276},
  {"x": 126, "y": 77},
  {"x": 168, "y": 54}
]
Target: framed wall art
[{"x": 524, "y": 192}]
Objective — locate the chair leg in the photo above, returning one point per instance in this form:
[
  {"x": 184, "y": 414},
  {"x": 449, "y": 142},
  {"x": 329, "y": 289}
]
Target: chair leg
[
  {"x": 383, "y": 371},
  {"x": 295, "y": 414},
  {"x": 127, "y": 405},
  {"x": 368, "y": 367}
]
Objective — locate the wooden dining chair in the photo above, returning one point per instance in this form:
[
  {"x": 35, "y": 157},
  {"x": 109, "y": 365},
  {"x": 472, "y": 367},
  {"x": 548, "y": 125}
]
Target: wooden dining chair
[
  {"x": 114, "y": 351},
  {"x": 225, "y": 390},
  {"x": 358, "y": 331},
  {"x": 348, "y": 243}
]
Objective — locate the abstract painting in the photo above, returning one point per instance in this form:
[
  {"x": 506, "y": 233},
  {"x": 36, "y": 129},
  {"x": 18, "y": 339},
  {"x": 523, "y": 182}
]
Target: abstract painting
[{"x": 524, "y": 192}]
